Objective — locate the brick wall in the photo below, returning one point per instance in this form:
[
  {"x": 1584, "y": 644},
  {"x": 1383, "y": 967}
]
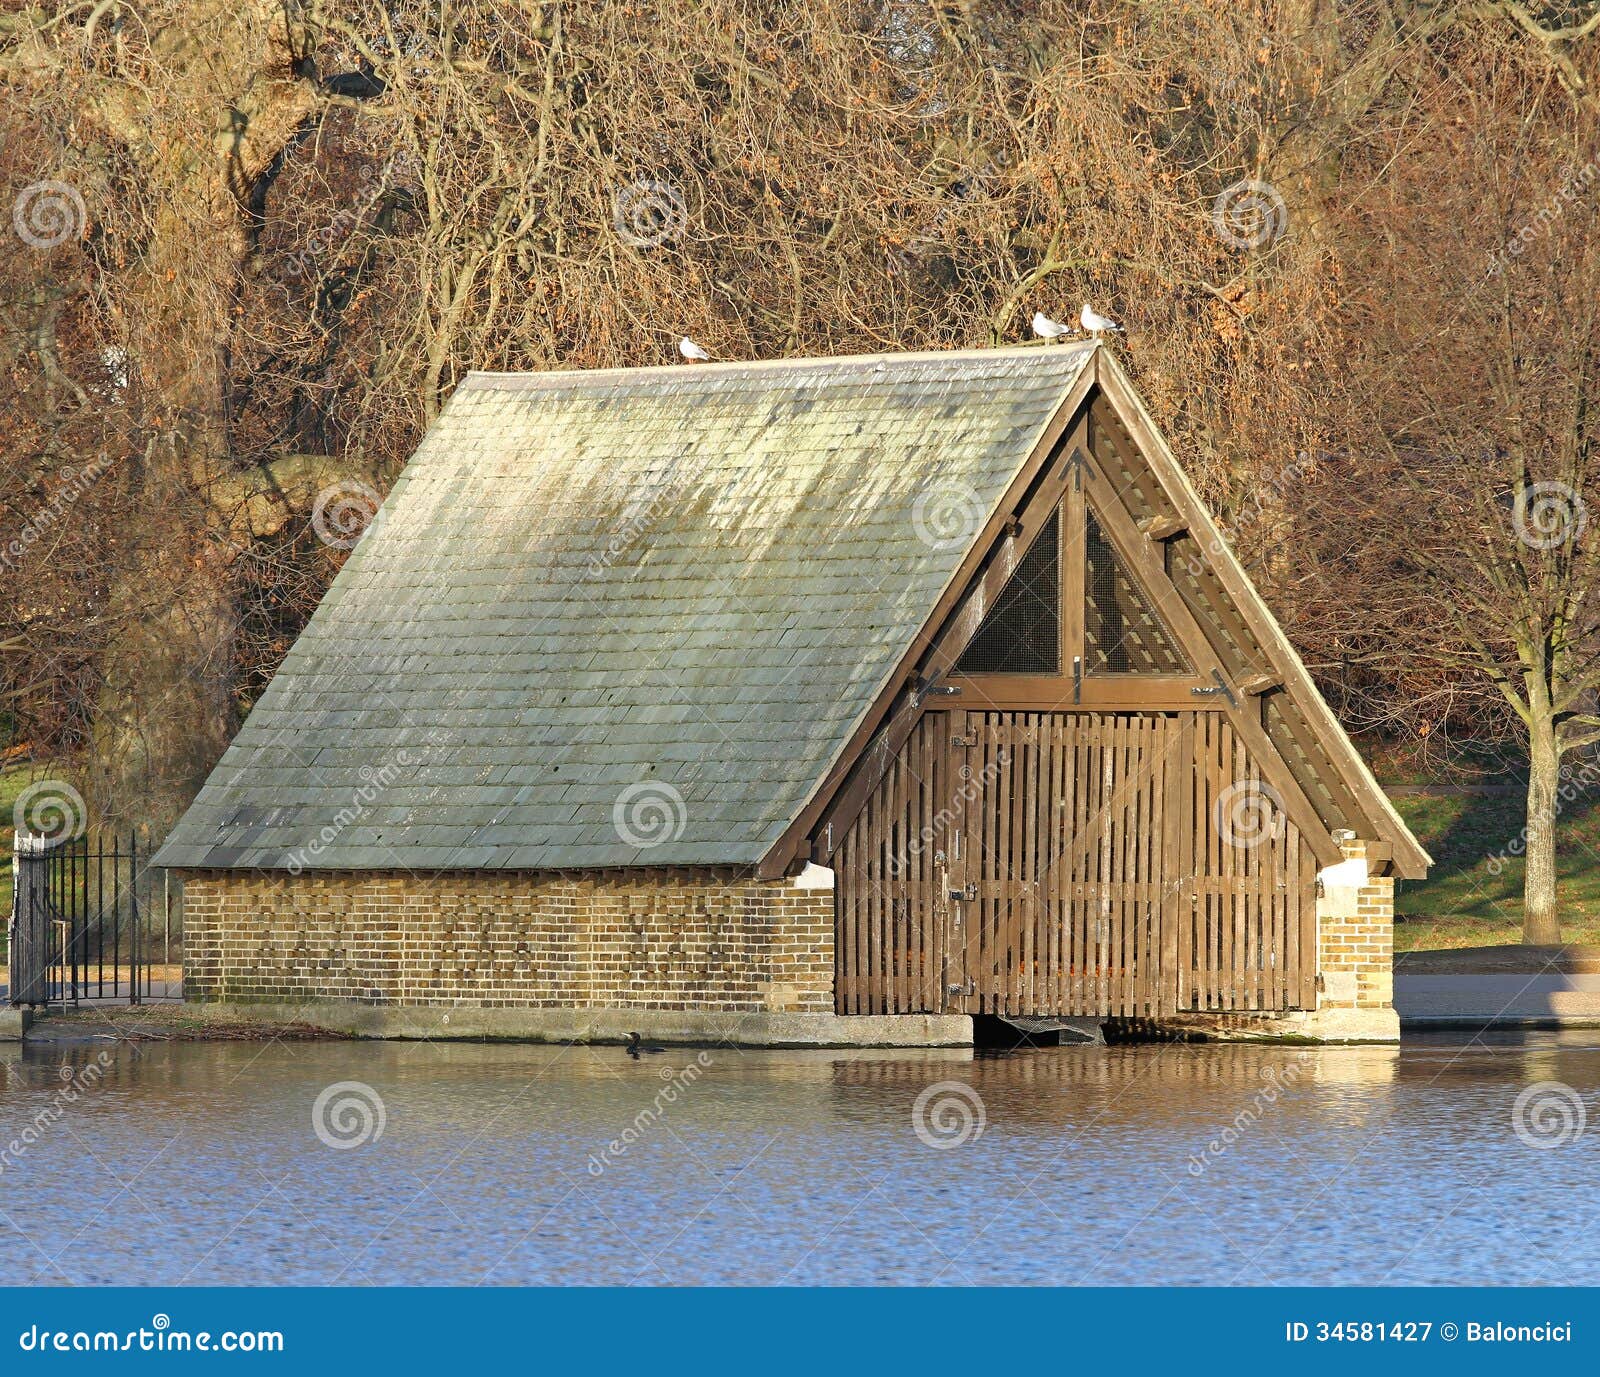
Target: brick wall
[
  {"x": 659, "y": 940},
  {"x": 1355, "y": 941}
]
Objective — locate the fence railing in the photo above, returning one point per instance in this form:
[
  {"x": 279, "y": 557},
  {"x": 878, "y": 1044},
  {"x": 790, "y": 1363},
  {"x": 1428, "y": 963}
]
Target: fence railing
[{"x": 90, "y": 920}]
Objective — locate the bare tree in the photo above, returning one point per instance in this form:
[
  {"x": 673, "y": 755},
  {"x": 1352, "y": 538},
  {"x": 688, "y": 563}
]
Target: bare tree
[
  {"x": 296, "y": 223},
  {"x": 1454, "y": 525}
]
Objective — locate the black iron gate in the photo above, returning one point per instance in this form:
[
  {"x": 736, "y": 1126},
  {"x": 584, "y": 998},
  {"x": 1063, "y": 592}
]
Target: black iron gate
[{"x": 89, "y": 921}]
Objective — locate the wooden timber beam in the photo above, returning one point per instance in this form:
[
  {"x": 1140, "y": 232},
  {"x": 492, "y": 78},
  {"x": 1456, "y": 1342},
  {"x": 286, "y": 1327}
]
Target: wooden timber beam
[
  {"x": 1055, "y": 693},
  {"x": 1163, "y": 527},
  {"x": 1254, "y": 684},
  {"x": 1150, "y": 572}
]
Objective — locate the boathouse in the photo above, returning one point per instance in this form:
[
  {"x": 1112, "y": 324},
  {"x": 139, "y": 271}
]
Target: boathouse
[{"x": 809, "y": 701}]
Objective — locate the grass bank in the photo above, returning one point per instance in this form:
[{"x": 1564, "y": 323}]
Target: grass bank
[{"x": 1473, "y": 897}]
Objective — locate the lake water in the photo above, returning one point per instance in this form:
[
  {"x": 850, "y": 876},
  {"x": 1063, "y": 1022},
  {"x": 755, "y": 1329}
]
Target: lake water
[{"x": 212, "y": 1163}]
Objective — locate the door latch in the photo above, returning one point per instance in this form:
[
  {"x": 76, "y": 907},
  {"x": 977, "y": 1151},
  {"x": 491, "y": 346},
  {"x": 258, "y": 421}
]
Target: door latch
[
  {"x": 1218, "y": 686},
  {"x": 970, "y": 988},
  {"x": 959, "y": 740},
  {"x": 964, "y": 896}
]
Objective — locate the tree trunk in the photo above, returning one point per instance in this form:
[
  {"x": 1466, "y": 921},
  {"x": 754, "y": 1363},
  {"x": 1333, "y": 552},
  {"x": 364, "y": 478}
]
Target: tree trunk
[{"x": 1540, "y": 926}]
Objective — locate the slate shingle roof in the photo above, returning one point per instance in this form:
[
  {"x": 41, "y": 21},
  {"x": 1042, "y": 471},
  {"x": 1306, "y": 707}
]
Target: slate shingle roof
[{"x": 641, "y": 585}]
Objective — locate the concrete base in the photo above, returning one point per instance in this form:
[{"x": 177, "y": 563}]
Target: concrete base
[
  {"x": 466, "y": 1022},
  {"x": 14, "y": 1023},
  {"x": 1319, "y": 1025}
]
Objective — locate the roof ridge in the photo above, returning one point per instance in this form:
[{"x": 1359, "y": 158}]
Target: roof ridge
[{"x": 1074, "y": 349}]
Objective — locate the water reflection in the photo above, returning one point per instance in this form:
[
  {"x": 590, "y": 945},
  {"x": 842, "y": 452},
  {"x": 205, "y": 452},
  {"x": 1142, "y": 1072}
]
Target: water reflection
[{"x": 201, "y": 1162}]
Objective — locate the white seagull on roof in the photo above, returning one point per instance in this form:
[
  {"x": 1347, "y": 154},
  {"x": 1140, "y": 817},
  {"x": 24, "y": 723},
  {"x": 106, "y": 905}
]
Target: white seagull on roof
[
  {"x": 1094, "y": 322},
  {"x": 692, "y": 351},
  {"x": 1045, "y": 328}
]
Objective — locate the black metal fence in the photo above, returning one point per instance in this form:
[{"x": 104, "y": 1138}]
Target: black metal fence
[{"x": 90, "y": 921}]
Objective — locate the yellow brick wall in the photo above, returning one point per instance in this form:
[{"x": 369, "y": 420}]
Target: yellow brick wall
[
  {"x": 642, "y": 939},
  {"x": 1355, "y": 942}
]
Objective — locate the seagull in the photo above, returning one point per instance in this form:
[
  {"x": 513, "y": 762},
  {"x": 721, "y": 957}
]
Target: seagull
[
  {"x": 1094, "y": 322},
  {"x": 1045, "y": 328},
  {"x": 692, "y": 351}
]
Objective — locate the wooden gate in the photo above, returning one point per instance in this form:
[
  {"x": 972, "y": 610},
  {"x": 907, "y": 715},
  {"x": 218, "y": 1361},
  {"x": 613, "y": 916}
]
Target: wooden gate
[{"x": 1076, "y": 864}]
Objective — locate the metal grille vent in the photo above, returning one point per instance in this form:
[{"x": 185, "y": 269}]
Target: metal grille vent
[
  {"x": 1121, "y": 633},
  {"x": 1022, "y": 633}
]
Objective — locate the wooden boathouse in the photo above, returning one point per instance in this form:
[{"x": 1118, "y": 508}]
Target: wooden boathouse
[{"x": 813, "y": 701}]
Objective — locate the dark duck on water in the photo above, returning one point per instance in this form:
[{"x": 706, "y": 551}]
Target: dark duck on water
[{"x": 634, "y": 1047}]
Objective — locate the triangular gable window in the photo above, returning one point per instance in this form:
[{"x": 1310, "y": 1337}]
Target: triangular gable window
[
  {"x": 1022, "y": 633},
  {"x": 1121, "y": 632}
]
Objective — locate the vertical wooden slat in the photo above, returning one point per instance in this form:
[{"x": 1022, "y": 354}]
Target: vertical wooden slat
[
  {"x": 1049, "y": 857},
  {"x": 1166, "y": 996},
  {"x": 843, "y": 892},
  {"x": 1308, "y": 929},
  {"x": 1088, "y": 861},
  {"x": 1288, "y": 931},
  {"x": 1057, "y": 911},
  {"x": 975, "y": 850},
  {"x": 928, "y": 842},
  {"x": 873, "y": 971},
  {"x": 895, "y": 937},
  {"x": 1238, "y": 776},
  {"x": 1127, "y": 866}
]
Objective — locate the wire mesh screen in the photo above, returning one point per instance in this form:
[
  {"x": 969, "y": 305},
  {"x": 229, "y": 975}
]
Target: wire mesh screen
[
  {"x": 1121, "y": 634},
  {"x": 1022, "y": 633}
]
